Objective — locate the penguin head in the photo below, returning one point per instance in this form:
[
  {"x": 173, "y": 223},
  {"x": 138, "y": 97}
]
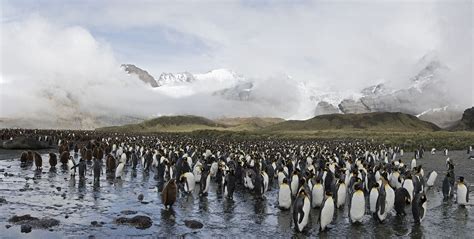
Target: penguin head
[
  {"x": 375, "y": 185},
  {"x": 329, "y": 193},
  {"x": 461, "y": 179},
  {"x": 285, "y": 181}
]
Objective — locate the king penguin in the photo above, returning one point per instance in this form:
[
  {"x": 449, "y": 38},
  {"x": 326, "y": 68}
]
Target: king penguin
[
  {"x": 187, "y": 179},
  {"x": 317, "y": 194},
  {"x": 284, "y": 195},
  {"x": 357, "y": 204},
  {"x": 419, "y": 206},
  {"x": 373, "y": 196},
  {"x": 301, "y": 210},
  {"x": 431, "y": 178},
  {"x": 402, "y": 198},
  {"x": 168, "y": 195},
  {"x": 327, "y": 211},
  {"x": 462, "y": 192},
  {"x": 341, "y": 193}
]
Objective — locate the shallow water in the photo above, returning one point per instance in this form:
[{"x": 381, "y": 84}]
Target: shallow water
[{"x": 242, "y": 217}]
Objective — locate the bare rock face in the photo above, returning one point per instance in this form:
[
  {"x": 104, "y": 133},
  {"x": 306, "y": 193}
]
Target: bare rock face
[
  {"x": 467, "y": 120},
  {"x": 324, "y": 108},
  {"x": 142, "y": 74},
  {"x": 350, "y": 106}
]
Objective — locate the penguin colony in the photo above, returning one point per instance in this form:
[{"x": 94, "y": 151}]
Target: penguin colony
[{"x": 307, "y": 174}]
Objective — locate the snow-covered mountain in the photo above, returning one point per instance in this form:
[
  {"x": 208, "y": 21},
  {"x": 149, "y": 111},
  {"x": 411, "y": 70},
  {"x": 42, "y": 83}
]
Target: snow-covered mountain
[{"x": 423, "y": 96}]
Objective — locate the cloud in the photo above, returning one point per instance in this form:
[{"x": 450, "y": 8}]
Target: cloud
[{"x": 62, "y": 58}]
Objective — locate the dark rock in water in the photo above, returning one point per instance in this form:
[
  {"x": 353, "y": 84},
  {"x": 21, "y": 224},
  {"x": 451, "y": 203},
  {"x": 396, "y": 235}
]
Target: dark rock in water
[
  {"x": 145, "y": 202},
  {"x": 140, "y": 222},
  {"x": 193, "y": 224},
  {"x": 96, "y": 224},
  {"x": 3, "y": 201},
  {"x": 34, "y": 222},
  {"x": 140, "y": 197},
  {"x": 2, "y": 170},
  {"x": 26, "y": 228},
  {"x": 128, "y": 212},
  {"x": 25, "y": 143},
  {"x": 8, "y": 226},
  {"x": 58, "y": 188}
]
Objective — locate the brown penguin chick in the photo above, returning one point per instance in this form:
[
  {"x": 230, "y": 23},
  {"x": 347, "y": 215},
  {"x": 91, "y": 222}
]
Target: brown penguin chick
[
  {"x": 53, "y": 160},
  {"x": 98, "y": 153},
  {"x": 30, "y": 157},
  {"x": 88, "y": 155},
  {"x": 168, "y": 195},
  {"x": 38, "y": 160},
  {"x": 110, "y": 163},
  {"x": 24, "y": 157},
  {"x": 64, "y": 157}
]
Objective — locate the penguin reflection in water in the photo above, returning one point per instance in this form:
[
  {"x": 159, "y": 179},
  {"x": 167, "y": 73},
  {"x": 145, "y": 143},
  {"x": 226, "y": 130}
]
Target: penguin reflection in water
[{"x": 169, "y": 193}]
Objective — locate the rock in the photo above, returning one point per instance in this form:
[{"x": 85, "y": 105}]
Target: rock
[
  {"x": 142, "y": 74},
  {"x": 128, "y": 212},
  {"x": 140, "y": 222},
  {"x": 140, "y": 197},
  {"x": 3, "y": 201},
  {"x": 351, "y": 106},
  {"x": 193, "y": 224},
  {"x": 26, "y": 228},
  {"x": 96, "y": 224},
  {"x": 2, "y": 170},
  {"x": 8, "y": 226},
  {"x": 58, "y": 188},
  {"x": 42, "y": 223},
  {"x": 324, "y": 108}
]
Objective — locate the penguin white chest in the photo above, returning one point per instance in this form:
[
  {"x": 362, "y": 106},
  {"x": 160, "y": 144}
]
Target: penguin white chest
[
  {"x": 284, "y": 196},
  {"x": 327, "y": 212},
  {"x": 374, "y": 195},
  {"x": 341, "y": 195},
  {"x": 306, "y": 208},
  {"x": 294, "y": 184},
  {"x": 461, "y": 193},
  {"x": 432, "y": 179},
  {"x": 317, "y": 194},
  {"x": 408, "y": 185},
  {"x": 357, "y": 209},
  {"x": 389, "y": 198}
]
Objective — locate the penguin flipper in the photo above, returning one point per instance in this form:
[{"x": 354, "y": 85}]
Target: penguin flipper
[
  {"x": 301, "y": 213},
  {"x": 467, "y": 193}
]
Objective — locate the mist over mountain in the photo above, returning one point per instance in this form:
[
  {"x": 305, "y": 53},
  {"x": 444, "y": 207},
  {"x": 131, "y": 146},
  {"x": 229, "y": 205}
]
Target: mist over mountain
[{"x": 70, "y": 67}]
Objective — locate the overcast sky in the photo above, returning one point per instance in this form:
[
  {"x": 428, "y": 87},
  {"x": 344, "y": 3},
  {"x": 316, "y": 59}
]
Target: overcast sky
[{"x": 337, "y": 44}]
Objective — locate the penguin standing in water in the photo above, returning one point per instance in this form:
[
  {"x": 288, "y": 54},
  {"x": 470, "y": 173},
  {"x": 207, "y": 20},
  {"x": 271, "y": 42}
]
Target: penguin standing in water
[
  {"x": 301, "y": 208},
  {"x": 229, "y": 184},
  {"x": 373, "y": 197},
  {"x": 447, "y": 187},
  {"x": 82, "y": 168},
  {"x": 97, "y": 167},
  {"x": 408, "y": 185},
  {"x": 294, "y": 183},
  {"x": 341, "y": 193},
  {"x": 120, "y": 167},
  {"x": 284, "y": 195},
  {"x": 204, "y": 184},
  {"x": 357, "y": 204},
  {"x": 317, "y": 194},
  {"x": 38, "y": 161},
  {"x": 381, "y": 205},
  {"x": 419, "y": 206},
  {"x": 431, "y": 178},
  {"x": 168, "y": 195},
  {"x": 462, "y": 192},
  {"x": 188, "y": 182},
  {"x": 402, "y": 198},
  {"x": 70, "y": 166},
  {"x": 327, "y": 211},
  {"x": 53, "y": 160}
]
